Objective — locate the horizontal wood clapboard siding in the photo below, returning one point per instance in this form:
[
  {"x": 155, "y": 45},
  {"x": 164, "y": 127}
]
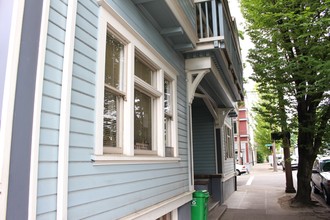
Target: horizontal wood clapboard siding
[
  {"x": 50, "y": 112},
  {"x": 113, "y": 191},
  {"x": 228, "y": 166},
  {"x": 203, "y": 139},
  {"x": 100, "y": 192}
]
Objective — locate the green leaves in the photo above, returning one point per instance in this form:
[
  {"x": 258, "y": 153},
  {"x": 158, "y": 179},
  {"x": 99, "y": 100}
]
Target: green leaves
[{"x": 291, "y": 60}]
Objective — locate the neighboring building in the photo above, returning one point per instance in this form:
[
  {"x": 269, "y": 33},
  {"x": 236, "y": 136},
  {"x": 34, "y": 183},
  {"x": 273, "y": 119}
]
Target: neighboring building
[
  {"x": 114, "y": 109},
  {"x": 243, "y": 148}
]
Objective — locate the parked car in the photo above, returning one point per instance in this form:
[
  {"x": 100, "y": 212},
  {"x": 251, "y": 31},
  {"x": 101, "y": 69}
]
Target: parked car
[
  {"x": 240, "y": 169},
  {"x": 321, "y": 177},
  {"x": 279, "y": 159},
  {"x": 294, "y": 163}
]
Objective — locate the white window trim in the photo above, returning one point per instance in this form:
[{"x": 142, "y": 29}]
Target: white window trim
[
  {"x": 108, "y": 159},
  {"x": 173, "y": 113},
  {"x": 109, "y": 19},
  {"x": 120, "y": 94},
  {"x": 146, "y": 88},
  {"x": 228, "y": 145},
  {"x": 64, "y": 129},
  {"x": 36, "y": 114},
  {"x": 154, "y": 92}
]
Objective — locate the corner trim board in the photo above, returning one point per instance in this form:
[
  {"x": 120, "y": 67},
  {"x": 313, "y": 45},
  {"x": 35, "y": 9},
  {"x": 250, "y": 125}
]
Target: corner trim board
[
  {"x": 64, "y": 131},
  {"x": 37, "y": 112}
]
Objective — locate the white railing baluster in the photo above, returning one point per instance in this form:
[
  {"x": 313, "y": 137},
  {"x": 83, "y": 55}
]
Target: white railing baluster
[
  {"x": 200, "y": 20},
  {"x": 207, "y": 19}
]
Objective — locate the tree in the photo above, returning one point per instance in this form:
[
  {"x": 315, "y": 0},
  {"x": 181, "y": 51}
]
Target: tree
[
  {"x": 262, "y": 136},
  {"x": 292, "y": 57},
  {"x": 271, "y": 116}
]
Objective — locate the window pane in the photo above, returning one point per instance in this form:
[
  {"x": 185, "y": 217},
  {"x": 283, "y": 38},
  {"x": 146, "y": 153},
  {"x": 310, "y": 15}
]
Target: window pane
[
  {"x": 110, "y": 120},
  {"x": 167, "y": 96},
  {"x": 235, "y": 127},
  {"x": 143, "y": 71},
  {"x": 167, "y": 127},
  {"x": 114, "y": 62},
  {"x": 169, "y": 150},
  {"x": 142, "y": 121}
]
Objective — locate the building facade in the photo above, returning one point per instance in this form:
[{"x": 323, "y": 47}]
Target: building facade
[
  {"x": 243, "y": 148},
  {"x": 116, "y": 109}
]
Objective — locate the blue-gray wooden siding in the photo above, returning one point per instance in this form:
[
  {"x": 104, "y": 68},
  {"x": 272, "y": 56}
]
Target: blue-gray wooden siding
[
  {"x": 203, "y": 139},
  {"x": 99, "y": 192},
  {"x": 228, "y": 188},
  {"x": 50, "y": 112},
  {"x": 190, "y": 10}
]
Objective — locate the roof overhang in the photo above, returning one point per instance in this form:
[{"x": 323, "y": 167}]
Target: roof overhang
[
  {"x": 204, "y": 77},
  {"x": 171, "y": 21},
  {"x": 223, "y": 66}
]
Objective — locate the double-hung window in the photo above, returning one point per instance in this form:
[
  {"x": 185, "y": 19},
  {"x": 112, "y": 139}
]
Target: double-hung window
[
  {"x": 113, "y": 94},
  {"x": 228, "y": 142},
  {"x": 136, "y": 117},
  {"x": 146, "y": 101},
  {"x": 169, "y": 133}
]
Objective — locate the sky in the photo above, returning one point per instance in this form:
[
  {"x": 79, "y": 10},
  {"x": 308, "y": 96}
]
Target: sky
[
  {"x": 251, "y": 96},
  {"x": 246, "y": 44}
]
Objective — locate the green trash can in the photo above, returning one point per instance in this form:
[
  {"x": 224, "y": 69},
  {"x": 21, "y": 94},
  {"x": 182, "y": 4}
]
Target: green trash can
[{"x": 199, "y": 208}]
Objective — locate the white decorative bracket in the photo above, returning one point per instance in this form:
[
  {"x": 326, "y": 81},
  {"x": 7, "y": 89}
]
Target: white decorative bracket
[
  {"x": 194, "y": 78},
  {"x": 222, "y": 114}
]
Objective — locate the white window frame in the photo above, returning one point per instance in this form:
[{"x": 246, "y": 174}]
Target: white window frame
[
  {"x": 134, "y": 45},
  {"x": 119, "y": 93},
  {"x": 228, "y": 142},
  {"x": 154, "y": 92},
  {"x": 172, "y": 114}
]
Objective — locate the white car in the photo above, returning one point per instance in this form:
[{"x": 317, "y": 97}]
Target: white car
[
  {"x": 240, "y": 169},
  {"x": 294, "y": 163},
  {"x": 321, "y": 177}
]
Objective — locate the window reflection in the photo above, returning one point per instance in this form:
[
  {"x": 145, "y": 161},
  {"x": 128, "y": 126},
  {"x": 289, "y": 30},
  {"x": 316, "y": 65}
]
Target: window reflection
[
  {"x": 143, "y": 71},
  {"x": 114, "y": 67},
  {"x": 110, "y": 120},
  {"x": 142, "y": 121},
  {"x": 169, "y": 152},
  {"x": 114, "y": 62}
]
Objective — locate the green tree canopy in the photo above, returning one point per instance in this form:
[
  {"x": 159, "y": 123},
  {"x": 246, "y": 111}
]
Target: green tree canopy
[
  {"x": 262, "y": 133},
  {"x": 291, "y": 58}
]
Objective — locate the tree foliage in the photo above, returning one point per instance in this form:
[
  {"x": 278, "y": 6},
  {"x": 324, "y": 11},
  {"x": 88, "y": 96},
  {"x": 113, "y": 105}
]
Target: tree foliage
[
  {"x": 291, "y": 62},
  {"x": 262, "y": 133}
]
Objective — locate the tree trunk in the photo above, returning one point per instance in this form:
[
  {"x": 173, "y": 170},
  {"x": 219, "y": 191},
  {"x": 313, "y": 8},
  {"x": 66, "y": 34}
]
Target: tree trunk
[
  {"x": 306, "y": 160},
  {"x": 288, "y": 170}
]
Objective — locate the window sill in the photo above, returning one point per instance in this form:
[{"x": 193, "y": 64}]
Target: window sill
[{"x": 108, "y": 159}]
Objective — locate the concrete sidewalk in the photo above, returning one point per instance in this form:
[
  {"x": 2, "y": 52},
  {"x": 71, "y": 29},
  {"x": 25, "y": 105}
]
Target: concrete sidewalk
[{"x": 266, "y": 202}]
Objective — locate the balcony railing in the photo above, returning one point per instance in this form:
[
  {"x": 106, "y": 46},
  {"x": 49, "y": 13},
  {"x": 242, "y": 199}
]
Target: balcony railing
[{"x": 215, "y": 24}]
